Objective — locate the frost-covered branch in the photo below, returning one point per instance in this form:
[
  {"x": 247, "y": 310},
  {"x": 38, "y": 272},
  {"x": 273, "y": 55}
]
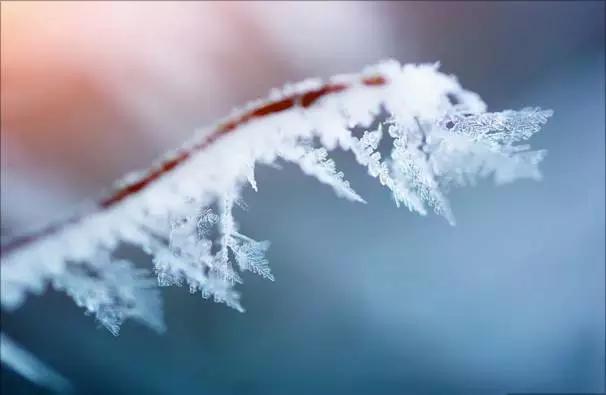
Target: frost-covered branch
[{"x": 181, "y": 211}]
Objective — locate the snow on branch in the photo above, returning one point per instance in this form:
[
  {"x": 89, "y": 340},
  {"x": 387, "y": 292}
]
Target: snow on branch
[{"x": 180, "y": 211}]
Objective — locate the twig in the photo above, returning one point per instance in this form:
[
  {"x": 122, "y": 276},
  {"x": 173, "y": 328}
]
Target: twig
[{"x": 303, "y": 100}]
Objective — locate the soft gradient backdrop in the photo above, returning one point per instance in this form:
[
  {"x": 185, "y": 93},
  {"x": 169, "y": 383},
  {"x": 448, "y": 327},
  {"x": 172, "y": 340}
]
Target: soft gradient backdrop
[{"x": 369, "y": 299}]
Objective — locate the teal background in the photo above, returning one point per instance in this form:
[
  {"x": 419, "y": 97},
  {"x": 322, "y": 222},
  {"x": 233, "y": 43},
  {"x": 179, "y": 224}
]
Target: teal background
[{"x": 371, "y": 299}]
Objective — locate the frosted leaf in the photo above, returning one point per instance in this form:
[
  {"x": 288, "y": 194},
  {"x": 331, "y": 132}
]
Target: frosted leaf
[
  {"x": 427, "y": 157},
  {"x": 411, "y": 164},
  {"x": 113, "y": 290},
  {"x": 221, "y": 291},
  {"x": 250, "y": 255},
  {"x": 462, "y": 147},
  {"x": 498, "y": 129},
  {"x": 315, "y": 162},
  {"x": 175, "y": 268},
  {"x": 187, "y": 257},
  {"x": 364, "y": 150},
  {"x": 476, "y": 146}
]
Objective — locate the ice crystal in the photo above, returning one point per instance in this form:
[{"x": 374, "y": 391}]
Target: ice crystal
[
  {"x": 315, "y": 162},
  {"x": 112, "y": 290},
  {"x": 250, "y": 255}
]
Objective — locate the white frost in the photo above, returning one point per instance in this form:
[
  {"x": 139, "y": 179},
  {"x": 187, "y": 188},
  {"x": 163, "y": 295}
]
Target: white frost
[{"x": 439, "y": 136}]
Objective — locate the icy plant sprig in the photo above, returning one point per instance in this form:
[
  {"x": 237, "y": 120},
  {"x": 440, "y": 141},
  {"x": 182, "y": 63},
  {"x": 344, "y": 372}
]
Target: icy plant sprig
[{"x": 440, "y": 136}]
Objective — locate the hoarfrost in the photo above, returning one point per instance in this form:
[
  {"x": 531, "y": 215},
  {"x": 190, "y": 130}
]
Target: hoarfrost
[{"x": 440, "y": 137}]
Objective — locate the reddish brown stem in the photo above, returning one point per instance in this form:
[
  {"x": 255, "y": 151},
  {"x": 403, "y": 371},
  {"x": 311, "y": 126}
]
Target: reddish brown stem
[{"x": 304, "y": 100}]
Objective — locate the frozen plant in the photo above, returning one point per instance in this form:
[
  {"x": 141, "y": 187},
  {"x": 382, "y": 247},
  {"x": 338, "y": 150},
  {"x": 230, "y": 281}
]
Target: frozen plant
[{"x": 180, "y": 210}]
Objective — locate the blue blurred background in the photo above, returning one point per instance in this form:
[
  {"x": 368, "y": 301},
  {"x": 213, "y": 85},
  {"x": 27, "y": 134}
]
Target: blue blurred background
[{"x": 369, "y": 299}]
